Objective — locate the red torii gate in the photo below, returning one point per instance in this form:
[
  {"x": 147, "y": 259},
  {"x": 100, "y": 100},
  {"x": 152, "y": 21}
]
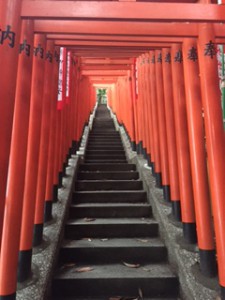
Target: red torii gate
[{"x": 130, "y": 29}]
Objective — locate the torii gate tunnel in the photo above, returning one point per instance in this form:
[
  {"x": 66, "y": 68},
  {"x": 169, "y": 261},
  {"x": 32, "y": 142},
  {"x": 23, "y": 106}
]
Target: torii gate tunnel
[{"x": 158, "y": 63}]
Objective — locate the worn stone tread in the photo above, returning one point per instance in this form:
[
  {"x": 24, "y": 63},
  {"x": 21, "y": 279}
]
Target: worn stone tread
[{"x": 116, "y": 271}]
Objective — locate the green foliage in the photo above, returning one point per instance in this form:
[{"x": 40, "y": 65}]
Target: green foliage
[{"x": 100, "y": 94}]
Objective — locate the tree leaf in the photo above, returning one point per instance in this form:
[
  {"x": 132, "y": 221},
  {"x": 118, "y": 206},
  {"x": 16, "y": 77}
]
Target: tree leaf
[{"x": 131, "y": 265}]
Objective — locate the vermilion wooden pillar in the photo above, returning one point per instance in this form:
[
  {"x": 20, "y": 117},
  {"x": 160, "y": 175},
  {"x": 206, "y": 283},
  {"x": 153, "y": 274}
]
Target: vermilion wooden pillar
[
  {"x": 184, "y": 166},
  {"x": 215, "y": 144},
  {"x": 139, "y": 107},
  {"x": 61, "y": 117},
  {"x": 171, "y": 136},
  {"x": 9, "y": 42},
  {"x": 132, "y": 108},
  {"x": 198, "y": 159},
  {"x": 155, "y": 122},
  {"x": 146, "y": 145},
  {"x": 44, "y": 140},
  {"x": 56, "y": 154},
  {"x": 33, "y": 147},
  {"x": 134, "y": 89},
  {"x": 51, "y": 192},
  {"x": 162, "y": 126},
  {"x": 17, "y": 165},
  {"x": 152, "y": 94},
  {"x": 149, "y": 113}
]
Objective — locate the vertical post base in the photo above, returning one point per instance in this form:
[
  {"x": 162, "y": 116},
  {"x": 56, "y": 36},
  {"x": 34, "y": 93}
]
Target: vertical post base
[
  {"x": 133, "y": 146},
  {"x": 70, "y": 152},
  {"x": 64, "y": 168},
  {"x": 74, "y": 147},
  {"x": 24, "y": 267},
  {"x": 153, "y": 168},
  {"x": 48, "y": 211},
  {"x": 222, "y": 289},
  {"x": 158, "y": 177},
  {"x": 145, "y": 153},
  {"x": 208, "y": 264},
  {"x": 189, "y": 232},
  {"x": 176, "y": 210},
  {"x": 8, "y": 297},
  {"x": 166, "y": 193},
  {"x": 149, "y": 160},
  {"x": 55, "y": 193},
  {"x": 139, "y": 148},
  {"x": 60, "y": 176},
  {"x": 38, "y": 235}
]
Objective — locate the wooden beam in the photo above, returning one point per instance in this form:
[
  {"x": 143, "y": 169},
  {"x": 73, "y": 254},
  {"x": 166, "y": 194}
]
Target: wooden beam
[
  {"x": 112, "y": 55},
  {"x": 129, "y": 11},
  {"x": 104, "y": 73},
  {"x": 116, "y": 28},
  {"x": 119, "y": 28},
  {"x": 139, "y": 45},
  {"x": 103, "y": 61},
  {"x": 113, "y": 38},
  {"x": 105, "y": 67}
]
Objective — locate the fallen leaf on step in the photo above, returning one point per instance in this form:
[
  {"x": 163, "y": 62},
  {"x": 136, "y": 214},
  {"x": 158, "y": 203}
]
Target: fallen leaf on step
[
  {"x": 89, "y": 219},
  {"x": 142, "y": 240},
  {"x": 122, "y": 298},
  {"x": 87, "y": 239},
  {"x": 146, "y": 269},
  {"x": 131, "y": 265},
  {"x": 71, "y": 265},
  {"x": 84, "y": 269},
  {"x": 104, "y": 240}
]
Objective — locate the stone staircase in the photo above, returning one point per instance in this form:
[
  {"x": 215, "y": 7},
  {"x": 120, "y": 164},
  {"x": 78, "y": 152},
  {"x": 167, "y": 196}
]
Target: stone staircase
[{"x": 111, "y": 248}]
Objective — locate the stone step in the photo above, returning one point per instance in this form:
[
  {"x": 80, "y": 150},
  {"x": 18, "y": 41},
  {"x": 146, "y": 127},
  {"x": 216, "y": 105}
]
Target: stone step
[
  {"x": 100, "y": 126},
  {"x": 104, "y": 139},
  {"x": 105, "y": 156},
  {"x": 110, "y": 210},
  {"x": 104, "y": 152},
  {"x": 115, "y": 297},
  {"x": 105, "y": 161},
  {"x": 104, "y": 134},
  {"x": 119, "y": 227},
  {"x": 124, "y": 175},
  {"x": 104, "y": 185},
  {"x": 115, "y": 250},
  {"x": 107, "y": 167},
  {"x": 109, "y": 197},
  {"x": 104, "y": 143},
  {"x": 154, "y": 280},
  {"x": 105, "y": 148},
  {"x": 110, "y": 232}
]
